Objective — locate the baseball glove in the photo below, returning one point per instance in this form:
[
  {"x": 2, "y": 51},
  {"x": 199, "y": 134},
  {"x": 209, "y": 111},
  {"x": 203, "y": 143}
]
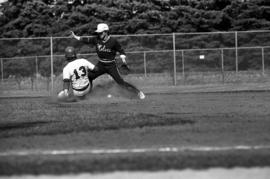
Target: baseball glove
[{"x": 124, "y": 69}]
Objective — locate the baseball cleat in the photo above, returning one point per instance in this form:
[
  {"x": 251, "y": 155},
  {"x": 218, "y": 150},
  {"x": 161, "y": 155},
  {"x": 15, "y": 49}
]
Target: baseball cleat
[{"x": 141, "y": 95}]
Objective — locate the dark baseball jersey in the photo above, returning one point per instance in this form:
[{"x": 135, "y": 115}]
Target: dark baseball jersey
[{"x": 106, "y": 50}]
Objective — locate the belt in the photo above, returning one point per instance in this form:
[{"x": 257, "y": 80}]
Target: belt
[
  {"x": 82, "y": 89},
  {"x": 106, "y": 60}
]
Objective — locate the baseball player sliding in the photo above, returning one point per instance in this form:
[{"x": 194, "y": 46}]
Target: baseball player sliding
[
  {"x": 106, "y": 48},
  {"x": 75, "y": 74}
]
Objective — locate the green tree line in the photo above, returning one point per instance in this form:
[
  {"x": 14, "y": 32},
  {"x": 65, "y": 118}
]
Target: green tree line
[{"x": 35, "y": 18}]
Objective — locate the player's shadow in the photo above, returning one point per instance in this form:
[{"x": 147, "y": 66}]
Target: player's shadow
[{"x": 22, "y": 125}]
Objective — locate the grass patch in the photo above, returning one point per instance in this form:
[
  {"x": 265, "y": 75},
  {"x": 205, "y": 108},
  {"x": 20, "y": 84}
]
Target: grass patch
[{"x": 27, "y": 117}]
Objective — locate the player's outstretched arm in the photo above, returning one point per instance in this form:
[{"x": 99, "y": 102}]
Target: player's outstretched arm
[{"x": 74, "y": 35}]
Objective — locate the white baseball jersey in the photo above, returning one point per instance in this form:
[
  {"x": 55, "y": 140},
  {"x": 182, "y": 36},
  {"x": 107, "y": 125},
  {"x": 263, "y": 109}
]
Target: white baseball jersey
[{"x": 77, "y": 72}]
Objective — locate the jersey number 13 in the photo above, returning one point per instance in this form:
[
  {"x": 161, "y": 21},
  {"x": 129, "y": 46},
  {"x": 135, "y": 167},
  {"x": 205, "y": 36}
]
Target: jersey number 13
[{"x": 82, "y": 69}]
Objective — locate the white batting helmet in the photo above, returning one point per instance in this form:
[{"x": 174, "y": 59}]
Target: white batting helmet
[{"x": 102, "y": 27}]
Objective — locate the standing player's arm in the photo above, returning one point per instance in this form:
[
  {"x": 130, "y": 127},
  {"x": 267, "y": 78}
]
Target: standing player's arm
[
  {"x": 119, "y": 49},
  {"x": 75, "y": 36},
  {"x": 83, "y": 39},
  {"x": 124, "y": 67}
]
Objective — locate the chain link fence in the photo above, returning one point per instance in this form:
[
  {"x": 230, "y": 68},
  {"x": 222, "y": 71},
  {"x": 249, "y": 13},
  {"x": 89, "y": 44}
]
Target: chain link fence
[{"x": 33, "y": 66}]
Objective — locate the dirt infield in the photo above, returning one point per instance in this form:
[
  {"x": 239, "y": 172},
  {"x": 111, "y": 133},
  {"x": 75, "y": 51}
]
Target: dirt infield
[{"x": 163, "y": 120}]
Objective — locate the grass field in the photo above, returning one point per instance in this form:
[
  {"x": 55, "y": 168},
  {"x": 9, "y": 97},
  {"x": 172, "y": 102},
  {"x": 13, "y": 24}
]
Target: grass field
[{"x": 168, "y": 130}]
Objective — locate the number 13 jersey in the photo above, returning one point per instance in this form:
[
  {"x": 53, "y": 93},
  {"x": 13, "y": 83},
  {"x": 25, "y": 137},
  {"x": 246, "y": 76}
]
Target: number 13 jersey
[{"x": 77, "y": 72}]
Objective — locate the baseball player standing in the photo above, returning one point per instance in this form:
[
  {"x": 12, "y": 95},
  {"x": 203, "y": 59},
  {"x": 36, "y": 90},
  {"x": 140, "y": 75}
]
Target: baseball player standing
[
  {"x": 106, "y": 48},
  {"x": 75, "y": 74}
]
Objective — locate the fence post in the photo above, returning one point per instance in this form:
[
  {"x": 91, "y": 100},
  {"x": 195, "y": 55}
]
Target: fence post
[
  {"x": 36, "y": 66},
  {"x": 183, "y": 65},
  {"x": 36, "y": 72},
  {"x": 222, "y": 65},
  {"x": 2, "y": 71},
  {"x": 144, "y": 64},
  {"x": 236, "y": 52},
  {"x": 174, "y": 61},
  {"x": 263, "y": 61},
  {"x": 52, "y": 85}
]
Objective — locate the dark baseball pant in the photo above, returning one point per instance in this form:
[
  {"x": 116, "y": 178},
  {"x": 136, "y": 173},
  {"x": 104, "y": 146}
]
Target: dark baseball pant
[{"x": 111, "y": 69}]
